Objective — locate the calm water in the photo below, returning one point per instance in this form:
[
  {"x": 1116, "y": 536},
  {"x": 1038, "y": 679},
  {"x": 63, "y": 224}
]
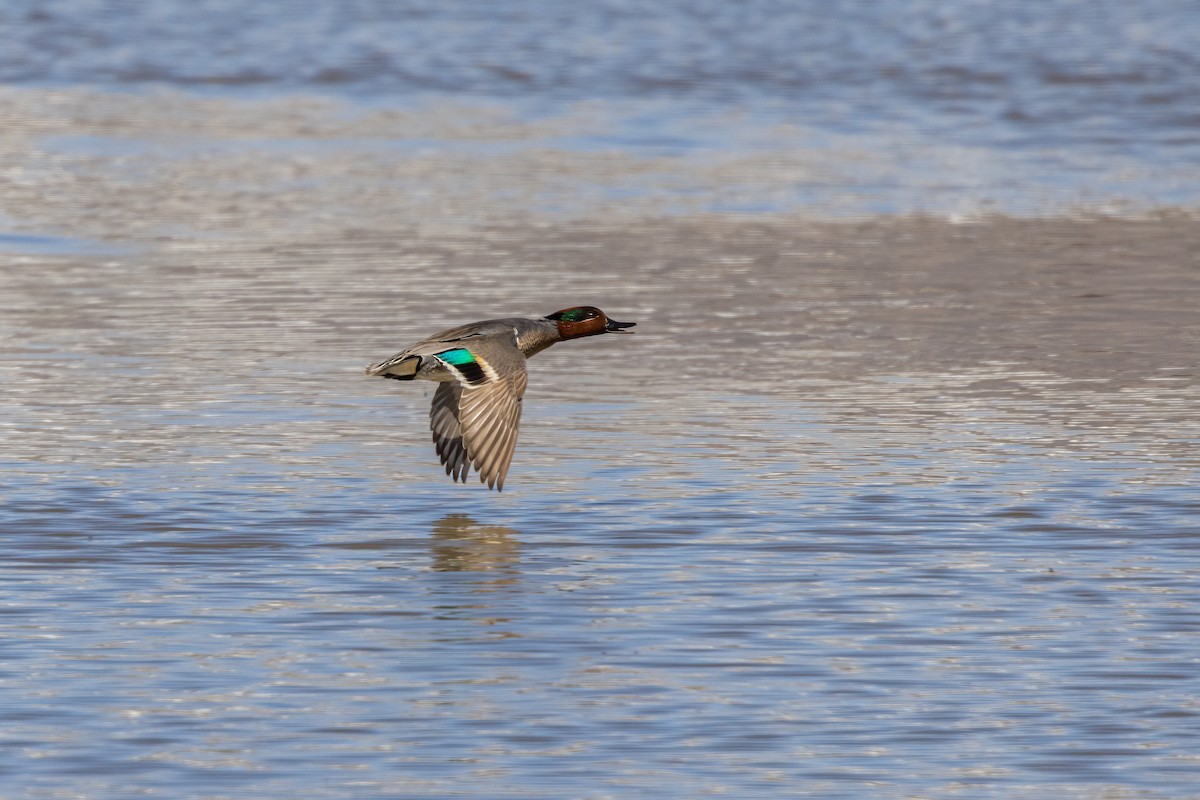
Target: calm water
[
  {"x": 881, "y": 107},
  {"x": 892, "y": 506}
]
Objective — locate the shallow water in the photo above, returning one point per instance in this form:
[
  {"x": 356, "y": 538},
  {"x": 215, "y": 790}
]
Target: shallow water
[
  {"x": 875, "y": 503},
  {"x": 846, "y": 107},
  {"x": 845, "y": 539}
]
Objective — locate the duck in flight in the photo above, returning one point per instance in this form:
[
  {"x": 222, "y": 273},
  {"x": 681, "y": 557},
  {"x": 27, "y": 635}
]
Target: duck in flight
[{"x": 480, "y": 372}]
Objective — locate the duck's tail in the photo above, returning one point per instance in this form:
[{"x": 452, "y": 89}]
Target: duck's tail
[{"x": 400, "y": 368}]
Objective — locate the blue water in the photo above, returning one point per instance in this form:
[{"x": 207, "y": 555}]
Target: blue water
[
  {"x": 1053, "y": 71},
  {"x": 897, "y": 506},
  {"x": 999, "y": 106}
]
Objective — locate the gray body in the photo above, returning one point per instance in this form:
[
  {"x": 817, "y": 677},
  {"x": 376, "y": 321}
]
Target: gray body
[{"x": 481, "y": 377}]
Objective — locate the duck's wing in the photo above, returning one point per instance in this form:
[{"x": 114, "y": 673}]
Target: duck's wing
[
  {"x": 481, "y": 427},
  {"x": 447, "y": 433}
]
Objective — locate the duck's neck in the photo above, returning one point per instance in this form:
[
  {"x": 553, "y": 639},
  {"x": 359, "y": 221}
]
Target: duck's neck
[{"x": 537, "y": 335}]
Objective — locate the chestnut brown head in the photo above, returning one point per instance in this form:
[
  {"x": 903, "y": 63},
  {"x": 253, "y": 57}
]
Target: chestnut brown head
[{"x": 586, "y": 321}]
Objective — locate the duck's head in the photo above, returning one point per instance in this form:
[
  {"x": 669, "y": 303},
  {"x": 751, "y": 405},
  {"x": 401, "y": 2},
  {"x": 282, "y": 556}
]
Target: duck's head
[{"x": 586, "y": 321}]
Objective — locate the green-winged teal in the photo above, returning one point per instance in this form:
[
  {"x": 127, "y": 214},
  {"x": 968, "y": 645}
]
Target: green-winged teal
[{"x": 480, "y": 370}]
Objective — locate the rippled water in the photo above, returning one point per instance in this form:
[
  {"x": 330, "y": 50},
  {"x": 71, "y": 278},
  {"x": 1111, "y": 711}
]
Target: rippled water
[
  {"x": 875, "y": 504},
  {"x": 945, "y": 107},
  {"x": 845, "y": 538},
  {"x": 1044, "y": 67}
]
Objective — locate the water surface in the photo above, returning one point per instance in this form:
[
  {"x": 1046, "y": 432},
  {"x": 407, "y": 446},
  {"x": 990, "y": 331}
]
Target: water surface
[
  {"x": 807, "y": 547},
  {"x": 891, "y": 495}
]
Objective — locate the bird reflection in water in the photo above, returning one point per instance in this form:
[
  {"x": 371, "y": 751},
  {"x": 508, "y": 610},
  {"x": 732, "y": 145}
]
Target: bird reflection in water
[{"x": 460, "y": 544}]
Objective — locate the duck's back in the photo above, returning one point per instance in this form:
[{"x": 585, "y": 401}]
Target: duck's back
[
  {"x": 486, "y": 328},
  {"x": 533, "y": 335}
]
